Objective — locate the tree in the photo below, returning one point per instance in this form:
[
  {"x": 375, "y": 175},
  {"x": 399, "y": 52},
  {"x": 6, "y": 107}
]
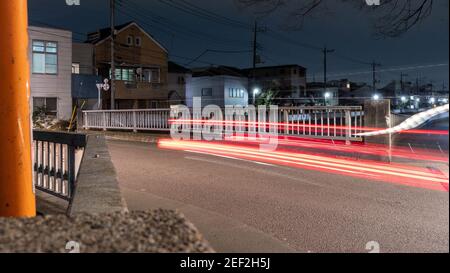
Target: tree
[{"x": 392, "y": 17}]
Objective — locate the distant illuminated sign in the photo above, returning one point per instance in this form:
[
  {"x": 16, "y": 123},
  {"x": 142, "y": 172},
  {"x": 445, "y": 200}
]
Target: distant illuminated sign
[
  {"x": 73, "y": 2},
  {"x": 373, "y": 2}
]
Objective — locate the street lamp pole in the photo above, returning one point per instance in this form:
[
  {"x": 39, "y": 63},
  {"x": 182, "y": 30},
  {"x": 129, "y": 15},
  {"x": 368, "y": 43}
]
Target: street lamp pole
[{"x": 255, "y": 92}]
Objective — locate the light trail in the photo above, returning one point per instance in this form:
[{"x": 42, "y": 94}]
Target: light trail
[
  {"x": 393, "y": 173},
  {"x": 299, "y": 126}
]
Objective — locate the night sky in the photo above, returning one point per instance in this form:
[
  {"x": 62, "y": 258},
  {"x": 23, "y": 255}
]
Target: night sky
[{"x": 422, "y": 52}]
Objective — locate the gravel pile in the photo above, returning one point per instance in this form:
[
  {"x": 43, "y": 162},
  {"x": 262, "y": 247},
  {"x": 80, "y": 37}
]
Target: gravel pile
[{"x": 157, "y": 231}]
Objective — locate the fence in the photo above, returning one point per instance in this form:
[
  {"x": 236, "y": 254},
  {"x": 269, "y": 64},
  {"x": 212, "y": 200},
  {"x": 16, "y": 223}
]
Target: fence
[
  {"x": 55, "y": 162},
  {"x": 327, "y": 122},
  {"x": 144, "y": 120}
]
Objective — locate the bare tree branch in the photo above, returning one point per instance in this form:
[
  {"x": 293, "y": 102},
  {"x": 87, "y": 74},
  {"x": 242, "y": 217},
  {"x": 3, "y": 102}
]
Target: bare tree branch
[{"x": 392, "y": 18}]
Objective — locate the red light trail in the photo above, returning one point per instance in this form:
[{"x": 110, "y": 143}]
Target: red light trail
[
  {"x": 373, "y": 170},
  {"x": 297, "y": 127}
]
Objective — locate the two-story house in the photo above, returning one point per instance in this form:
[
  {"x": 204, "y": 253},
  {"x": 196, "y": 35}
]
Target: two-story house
[
  {"x": 50, "y": 55},
  {"x": 141, "y": 67},
  {"x": 221, "y": 85}
]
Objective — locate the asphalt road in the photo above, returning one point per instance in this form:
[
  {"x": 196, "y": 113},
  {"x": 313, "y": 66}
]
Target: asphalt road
[{"x": 300, "y": 209}]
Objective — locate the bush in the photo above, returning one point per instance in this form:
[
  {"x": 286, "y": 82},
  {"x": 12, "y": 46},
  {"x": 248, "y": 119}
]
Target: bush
[{"x": 42, "y": 120}]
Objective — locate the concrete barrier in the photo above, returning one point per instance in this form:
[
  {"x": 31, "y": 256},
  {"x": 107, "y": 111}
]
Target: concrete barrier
[{"x": 97, "y": 189}]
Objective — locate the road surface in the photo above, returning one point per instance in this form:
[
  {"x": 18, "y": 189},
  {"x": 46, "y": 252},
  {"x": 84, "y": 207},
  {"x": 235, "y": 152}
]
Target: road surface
[{"x": 243, "y": 206}]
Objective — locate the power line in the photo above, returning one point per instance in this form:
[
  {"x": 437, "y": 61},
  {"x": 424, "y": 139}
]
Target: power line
[{"x": 167, "y": 25}]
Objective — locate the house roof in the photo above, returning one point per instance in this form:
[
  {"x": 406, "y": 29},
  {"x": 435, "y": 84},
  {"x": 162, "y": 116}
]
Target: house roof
[
  {"x": 218, "y": 71},
  {"x": 103, "y": 34},
  {"x": 176, "y": 68}
]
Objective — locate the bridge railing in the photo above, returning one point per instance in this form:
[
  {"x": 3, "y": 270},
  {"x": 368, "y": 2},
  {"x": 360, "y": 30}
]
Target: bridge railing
[
  {"x": 326, "y": 122},
  {"x": 56, "y": 158},
  {"x": 144, "y": 120}
]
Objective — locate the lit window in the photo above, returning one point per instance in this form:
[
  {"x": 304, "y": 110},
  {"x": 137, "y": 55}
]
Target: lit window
[
  {"x": 45, "y": 57},
  {"x": 75, "y": 68},
  {"x": 124, "y": 74}
]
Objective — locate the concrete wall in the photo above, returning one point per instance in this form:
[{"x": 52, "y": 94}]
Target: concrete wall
[
  {"x": 375, "y": 112},
  {"x": 59, "y": 85},
  {"x": 97, "y": 189}
]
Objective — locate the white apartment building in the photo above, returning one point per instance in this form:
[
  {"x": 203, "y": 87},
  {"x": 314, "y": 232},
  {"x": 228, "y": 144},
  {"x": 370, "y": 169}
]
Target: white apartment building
[{"x": 50, "y": 56}]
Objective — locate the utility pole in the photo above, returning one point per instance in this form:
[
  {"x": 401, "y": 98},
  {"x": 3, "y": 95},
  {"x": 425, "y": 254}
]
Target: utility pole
[
  {"x": 402, "y": 75},
  {"x": 113, "y": 63},
  {"x": 255, "y": 45},
  {"x": 325, "y": 52},
  {"x": 374, "y": 75},
  {"x": 255, "y": 57},
  {"x": 17, "y": 197}
]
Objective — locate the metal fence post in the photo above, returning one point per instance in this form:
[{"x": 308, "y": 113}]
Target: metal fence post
[
  {"x": 134, "y": 122},
  {"x": 104, "y": 121},
  {"x": 286, "y": 120},
  {"x": 85, "y": 124},
  {"x": 348, "y": 123}
]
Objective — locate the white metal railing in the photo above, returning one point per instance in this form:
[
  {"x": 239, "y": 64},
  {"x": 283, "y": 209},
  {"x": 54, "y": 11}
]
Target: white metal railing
[
  {"x": 326, "y": 122},
  {"x": 142, "y": 120}
]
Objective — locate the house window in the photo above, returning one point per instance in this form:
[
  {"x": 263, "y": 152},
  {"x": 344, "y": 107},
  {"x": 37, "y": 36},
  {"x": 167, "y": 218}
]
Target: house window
[
  {"x": 75, "y": 68},
  {"x": 124, "y": 74},
  {"x": 130, "y": 40},
  {"x": 138, "y": 41},
  {"x": 206, "y": 92},
  {"x": 152, "y": 75},
  {"x": 45, "y": 57},
  {"x": 47, "y": 105},
  {"x": 236, "y": 93}
]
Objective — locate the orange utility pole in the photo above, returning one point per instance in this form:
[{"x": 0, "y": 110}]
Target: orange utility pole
[{"x": 17, "y": 197}]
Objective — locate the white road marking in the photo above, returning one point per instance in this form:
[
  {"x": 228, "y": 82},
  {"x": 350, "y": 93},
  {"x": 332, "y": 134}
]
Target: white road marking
[{"x": 229, "y": 157}]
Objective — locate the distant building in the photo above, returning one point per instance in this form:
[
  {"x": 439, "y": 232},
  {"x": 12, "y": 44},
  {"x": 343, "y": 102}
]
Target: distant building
[
  {"x": 288, "y": 81},
  {"x": 50, "y": 55},
  {"x": 84, "y": 78},
  {"x": 141, "y": 67},
  {"x": 179, "y": 79},
  {"x": 220, "y": 85},
  {"x": 317, "y": 94}
]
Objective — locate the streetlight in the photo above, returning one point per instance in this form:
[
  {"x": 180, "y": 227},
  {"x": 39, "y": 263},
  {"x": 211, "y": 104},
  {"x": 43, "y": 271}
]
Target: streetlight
[
  {"x": 376, "y": 97},
  {"x": 327, "y": 95},
  {"x": 255, "y": 92},
  {"x": 403, "y": 98}
]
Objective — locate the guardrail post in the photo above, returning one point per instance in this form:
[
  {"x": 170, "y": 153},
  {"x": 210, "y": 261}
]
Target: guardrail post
[
  {"x": 104, "y": 120},
  {"x": 134, "y": 122},
  {"x": 17, "y": 197},
  {"x": 85, "y": 125},
  {"x": 348, "y": 123},
  {"x": 286, "y": 120}
]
